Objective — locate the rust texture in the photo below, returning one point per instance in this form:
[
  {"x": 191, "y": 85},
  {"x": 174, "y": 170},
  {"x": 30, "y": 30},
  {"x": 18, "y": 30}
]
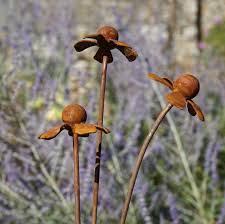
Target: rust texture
[
  {"x": 184, "y": 89},
  {"x": 74, "y": 117},
  {"x": 76, "y": 177},
  {"x": 99, "y": 142},
  {"x": 74, "y": 114},
  {"x": 139, "y": 161},
  {"x": 106, "y": 39},
  {"x": 187, "y": 85}
]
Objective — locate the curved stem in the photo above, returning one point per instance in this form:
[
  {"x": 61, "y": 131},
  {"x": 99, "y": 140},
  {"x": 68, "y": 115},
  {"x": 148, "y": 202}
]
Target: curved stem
[
  {"x": 76, "y": 179},
  {"x": 99, "y": 141},
  {"x": 139, "y": 161},
  {"x": 183, "y": 157}
]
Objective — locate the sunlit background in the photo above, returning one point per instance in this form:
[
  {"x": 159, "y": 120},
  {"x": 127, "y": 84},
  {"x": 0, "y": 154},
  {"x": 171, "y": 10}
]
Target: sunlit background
[{"x": 182, "y": 177}]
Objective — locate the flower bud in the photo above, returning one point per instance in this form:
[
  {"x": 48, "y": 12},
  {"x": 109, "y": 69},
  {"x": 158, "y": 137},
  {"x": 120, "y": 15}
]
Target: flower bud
[
  {"x": 74, "y": 114},
  {"x": 108, "y": 32},
  {"x": 187, "y": 85}
]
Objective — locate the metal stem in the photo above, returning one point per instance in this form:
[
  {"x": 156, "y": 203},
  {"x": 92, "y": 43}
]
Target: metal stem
[
  {"x": 76, "y": 179},
  {"x": 139, "y": 161},
  {"x": 99, "y": 141}
]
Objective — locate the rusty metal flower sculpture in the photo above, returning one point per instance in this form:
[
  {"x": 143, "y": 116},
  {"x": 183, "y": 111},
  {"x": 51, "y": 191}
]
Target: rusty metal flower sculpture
[
  {"x": 74, "y": 117},
  {"x": 184, "y": 89},
  {"x": 106, "y": 39}
]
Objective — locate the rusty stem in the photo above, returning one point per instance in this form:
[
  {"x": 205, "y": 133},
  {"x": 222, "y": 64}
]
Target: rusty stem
[
  {"x": 76, "y": 179},
  {"x": 139, "y": 161},
  {"x": 99, "y": 141}
]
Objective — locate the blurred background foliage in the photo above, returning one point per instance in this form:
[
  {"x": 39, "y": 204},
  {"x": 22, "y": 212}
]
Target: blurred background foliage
[
  {"x": 216, "y": 37},
  {"x": 182, "y": 177}
]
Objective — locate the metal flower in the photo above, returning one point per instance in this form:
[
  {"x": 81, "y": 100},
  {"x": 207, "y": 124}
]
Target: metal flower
[
  {"x": 74, "y": 117},
  {"x": 106, "y": 39},
  {"x": 184, "y": 89}
]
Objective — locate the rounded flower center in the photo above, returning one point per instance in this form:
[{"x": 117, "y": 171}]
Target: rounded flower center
[
  {"x": 187, "y": 85},
  {"x": 74, "y": 114},
  {"x": 109, "y": 32}
]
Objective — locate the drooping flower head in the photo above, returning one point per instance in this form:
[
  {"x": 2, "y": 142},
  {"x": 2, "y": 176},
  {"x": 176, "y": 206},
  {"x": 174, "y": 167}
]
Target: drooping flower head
[
  {"x": 74, "y": 117},
  {"x": 184, "y": 89},
  {"x": 106, "y": 39}
]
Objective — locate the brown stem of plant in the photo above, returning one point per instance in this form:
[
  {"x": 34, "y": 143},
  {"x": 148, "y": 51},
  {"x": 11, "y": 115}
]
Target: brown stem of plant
[
  {"x": 99, "y": 141},
  {"x": 139, "y": 161},
  {"x": 76, "y": 179}
]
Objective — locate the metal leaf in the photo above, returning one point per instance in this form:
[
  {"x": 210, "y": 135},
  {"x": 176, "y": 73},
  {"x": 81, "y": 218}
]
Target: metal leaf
[
  {"x": 82, "y": 129},
  {"x": 125, "y": 49},
  {"x": 100, "y": 53},
  {"x": 105, "y": 130},
  {"x": 192, "y": 106},
  {"x": 165, "y": 81},
  {"x": 101, "y": 41},
  {"x": 52, "y": 133},
  {"x": 176, "y": 99},
  {"x": 84, "y": 44}
]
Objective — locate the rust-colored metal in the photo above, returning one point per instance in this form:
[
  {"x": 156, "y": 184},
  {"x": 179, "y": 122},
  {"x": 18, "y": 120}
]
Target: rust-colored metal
[
  {"x": 106, "y": 39},
  {"x": 139, "y": 161},
  {"x": 187, "y": 85},
  {"x": 74, "y": 117},
  {"x": 76, "y": 178},
  {"x": 99, "y": 141},
  {"x": 184, "y": 89},
  {"x": 108, "y": 33},
  {"x": 74, "y": 114}
]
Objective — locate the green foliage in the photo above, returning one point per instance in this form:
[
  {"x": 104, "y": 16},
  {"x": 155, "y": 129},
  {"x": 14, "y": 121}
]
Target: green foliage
[{"x": 216, "y": 38}]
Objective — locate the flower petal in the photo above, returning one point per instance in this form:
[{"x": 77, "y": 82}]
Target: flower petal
[
  {"x": 165, "y": 81},
  {"x": 100, "y": 53},
  {"x": 84, "y": 129},
  {"x": 101, "y": 41},
  {"x": 84, "y": 44},
  {"x": 125, "y": 49},
  {"x": 176, "y": 99},
  {"x": 194, "y": 109},
  {"x": 52, "y": 133},
  {"x": 191, "y": 110},
  {"x": 105, "y": 130}
]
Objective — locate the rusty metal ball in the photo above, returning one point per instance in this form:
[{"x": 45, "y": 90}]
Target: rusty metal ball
[
  {"x": 188, "y": 85},
  {"x": 108, "y": 32},
  {"x": 74, "y": 114}
]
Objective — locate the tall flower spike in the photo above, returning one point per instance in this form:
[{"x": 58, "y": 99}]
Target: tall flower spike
[
  {"x": 106, "y": 39},
  {"x": 74, "y": 117},
  {"x": 184, "y": 89}
]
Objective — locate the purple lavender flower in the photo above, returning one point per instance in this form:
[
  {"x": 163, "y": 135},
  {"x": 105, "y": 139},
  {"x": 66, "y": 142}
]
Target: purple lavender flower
[
  {"x": 221, "y": 217},
  {"x": 202, "y": 45},
  {"x": 173, "y": 209},
  {"x": 217, "y": 20},
  {"x": 214, "y": 161}
]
